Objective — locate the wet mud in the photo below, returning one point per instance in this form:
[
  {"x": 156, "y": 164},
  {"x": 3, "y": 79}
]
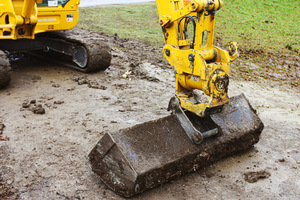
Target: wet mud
[
  {"x": 44, "y": 155},
  {"x": 252, "y": 177}
]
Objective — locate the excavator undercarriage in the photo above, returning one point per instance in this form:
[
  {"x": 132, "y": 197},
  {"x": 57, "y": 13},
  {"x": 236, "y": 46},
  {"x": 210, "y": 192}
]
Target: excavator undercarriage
[
  {"x": 198, "y": 131},
  {"x": 43, "y": 28},
  {"x": 76, "y": 51}
]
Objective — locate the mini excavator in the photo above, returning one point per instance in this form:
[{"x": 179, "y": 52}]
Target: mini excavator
[
  {"x": 198, "y": 131},
  {"x": 36, "y": 26}
]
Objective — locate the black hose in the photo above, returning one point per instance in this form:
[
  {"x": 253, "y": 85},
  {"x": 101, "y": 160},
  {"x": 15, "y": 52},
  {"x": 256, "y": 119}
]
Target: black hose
[{"x": 185, "y": 28}]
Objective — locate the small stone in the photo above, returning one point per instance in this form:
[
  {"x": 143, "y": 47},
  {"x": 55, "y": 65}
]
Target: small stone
[
  {"x": 26, "y": 104},
  {"x": 2, "y": 126},
  {"x": 82, "y": 81},
  {"x": 71, "y": 88},
  {"x": 55, "y": 85},
  {"x": 38, "y": 109},
  {"x": 252, "y": 177},
  {"x": 126, "y": 74},
  {"x": 116, "y": 36},
  {"x": 95, "y": 85},
  {"x": 75, "y": 78},
  {"x": 33, "y": 101},
  {"x": 59, "y": 102},
  {"x": 48, "y": 105}
]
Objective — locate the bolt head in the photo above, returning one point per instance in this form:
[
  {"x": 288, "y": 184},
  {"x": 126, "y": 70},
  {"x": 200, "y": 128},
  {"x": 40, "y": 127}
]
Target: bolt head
[
  {"x": 161, "y": 22},
  {"x": 168, "y": 52},
  {"x": 191, "y": 57},
  {"x": 193, "y": 5}
]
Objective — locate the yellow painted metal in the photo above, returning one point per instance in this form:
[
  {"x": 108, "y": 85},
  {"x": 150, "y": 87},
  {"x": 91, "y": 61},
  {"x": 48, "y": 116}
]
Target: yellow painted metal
[
  {"x": 197, "y": 62},
  {"x": 21, "y": 19}
]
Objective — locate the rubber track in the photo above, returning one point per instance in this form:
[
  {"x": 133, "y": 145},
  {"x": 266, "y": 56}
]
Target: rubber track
[{"x": 99, "y": 53}]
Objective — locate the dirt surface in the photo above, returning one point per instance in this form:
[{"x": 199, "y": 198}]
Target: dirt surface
[{"x": 43, "y": 156}]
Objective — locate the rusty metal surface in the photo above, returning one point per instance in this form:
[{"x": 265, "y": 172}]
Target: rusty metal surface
[{"x": 147, "y": 155}]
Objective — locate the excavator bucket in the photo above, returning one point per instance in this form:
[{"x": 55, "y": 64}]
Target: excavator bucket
[{"x": 144, "y": 156}]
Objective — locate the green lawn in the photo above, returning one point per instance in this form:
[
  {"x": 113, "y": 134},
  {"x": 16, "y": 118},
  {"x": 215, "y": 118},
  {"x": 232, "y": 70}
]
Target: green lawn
[
  {"x": 131, "y": 21},
  {"x": 270, "y": 25}
]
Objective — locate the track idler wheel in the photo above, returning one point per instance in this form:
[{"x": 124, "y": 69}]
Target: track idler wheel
[{"x": 92, "y": 57}]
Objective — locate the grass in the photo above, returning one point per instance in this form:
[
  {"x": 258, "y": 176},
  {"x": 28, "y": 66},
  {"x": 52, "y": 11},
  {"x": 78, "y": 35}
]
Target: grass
[
  {"x": 272, "y": 25},
  {"x": 269, "y": 25},
  {"x": 139, "y": 21},
  {"x": 268, "y": 32}
]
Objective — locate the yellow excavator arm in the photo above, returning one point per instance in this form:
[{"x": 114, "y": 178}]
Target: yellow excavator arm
[
  {"x": 188, "y": 29},
  {"x": 135, "y": 159},
  {"x": 22, "y": 19}
]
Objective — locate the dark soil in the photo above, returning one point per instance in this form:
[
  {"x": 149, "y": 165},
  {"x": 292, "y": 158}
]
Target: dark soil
[{"x": 252, "y": 177}]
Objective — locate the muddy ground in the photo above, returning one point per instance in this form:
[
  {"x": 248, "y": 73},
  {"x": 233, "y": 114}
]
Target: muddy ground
[{"x": 43, "y": 156}]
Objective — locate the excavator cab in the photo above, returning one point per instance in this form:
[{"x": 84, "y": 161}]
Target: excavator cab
[{"x": 52, "y": 3}]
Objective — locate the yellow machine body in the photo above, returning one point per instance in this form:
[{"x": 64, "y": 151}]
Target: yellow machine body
[
  {"x": 22, "y": 19},
  {"x": 197, "y": 62}
]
